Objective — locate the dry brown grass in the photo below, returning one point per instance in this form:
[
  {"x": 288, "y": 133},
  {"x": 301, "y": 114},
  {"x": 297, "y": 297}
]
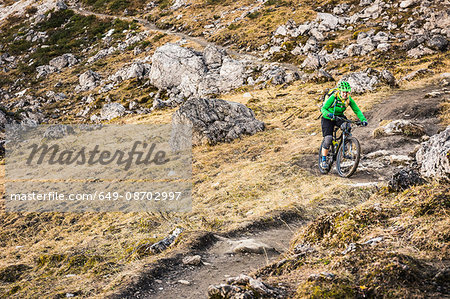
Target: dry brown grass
[{"x": 414, "y": 226}]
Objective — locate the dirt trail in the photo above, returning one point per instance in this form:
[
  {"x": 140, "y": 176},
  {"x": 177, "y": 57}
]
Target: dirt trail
[
  {"x": 198, "y": 40},
  {"x": 218, "y": 264}
]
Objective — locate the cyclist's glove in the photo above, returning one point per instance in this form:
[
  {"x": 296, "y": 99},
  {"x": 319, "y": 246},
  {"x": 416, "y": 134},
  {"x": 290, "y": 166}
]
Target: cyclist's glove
[
  {"x": 364, "y": 123},
  {"x": 330, "y": 115}
]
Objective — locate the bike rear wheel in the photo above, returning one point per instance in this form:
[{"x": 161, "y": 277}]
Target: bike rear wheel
[
  {"x": 348, "y": 157},
  {"x": 329, "y": 159}
]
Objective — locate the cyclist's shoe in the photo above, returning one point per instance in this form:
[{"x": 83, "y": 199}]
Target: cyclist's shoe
[{"x": 324, "y": 164}]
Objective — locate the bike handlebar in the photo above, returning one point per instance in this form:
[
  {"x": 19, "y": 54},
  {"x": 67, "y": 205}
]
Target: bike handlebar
[{"x": 358, "y": 123}]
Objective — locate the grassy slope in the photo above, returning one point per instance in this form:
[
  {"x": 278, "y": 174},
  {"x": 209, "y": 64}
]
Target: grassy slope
[{"x": 412, "y": 260}]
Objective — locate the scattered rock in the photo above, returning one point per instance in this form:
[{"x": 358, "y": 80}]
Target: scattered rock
[
  {"x": 377, "y": 154},
  {"x": 313, "y": 62},
  {"x": 373, "y": 241},
  {"x": 399, "y": 127},
  {"x": 166, "y": 242},
  {"x": 410, "y": 44},
  {"x": 244, "y": 286},
  {"x": 45, "y": 70},
  {"x": 136, "y": 69},
  {"x": 249, "y": 246},
  {"x": 407, "y": 3},
  {"x": 192, "y": 260},
  {"x": 112, "y": 110},
  {"x": 438, "y": 43},
  {"x": 58, "y": 131},
  {"x": 399, "y": 159},
  {"x": 60, "y": 5},
  {"x": 388, "y": 78},
  {"x": 417, "y": 74},
  {"x": 434, "y": 156},
  {"x": 405, "y": 178},
  {"x": 88, "y": 80},
  {"x": 65, "y": 60},
  {"x": 419, "y": 52},
  {"x": 352, "y": 247},
  {"x": 361, "y": 82},
  {"x": 214, "y": 120},
  {"x": 321, "y": 76},
  {"x": 303, "y": 249}
]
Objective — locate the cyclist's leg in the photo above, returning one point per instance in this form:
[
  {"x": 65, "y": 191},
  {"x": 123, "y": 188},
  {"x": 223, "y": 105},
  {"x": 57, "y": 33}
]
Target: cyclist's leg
[{"x": 327, "y": 133}]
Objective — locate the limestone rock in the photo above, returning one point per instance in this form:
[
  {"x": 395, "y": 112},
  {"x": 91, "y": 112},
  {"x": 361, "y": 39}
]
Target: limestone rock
[
  {"x": 361, "y": 81},
  {"x": 112, "y": 110},
  {"x": 58, "y": 131},
  {"x": 314, "y": 61},
  {"x": 231, "y": 75},
  {"x": 175, "y": 66},
  {"x": 88, "y": 80},
  {"x": 434, "y": 156},
  {"x": 136, "y": 69},
  {"x": 438, "y": 42},
  {"x": 399, "y": 127},
  {"x": 45, "y": 70},
  {"x": 215, "y": 120},
  {"x": 419, "y": 52},
  {"x": 65, "y": 60},
  {"x": 405, "y": 178}
]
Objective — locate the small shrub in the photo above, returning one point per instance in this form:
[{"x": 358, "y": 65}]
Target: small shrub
[{"x": 254, "y": 15}]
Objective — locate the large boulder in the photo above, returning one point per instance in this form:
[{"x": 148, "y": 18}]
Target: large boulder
[
  {"x": 215, "y": 120},
  {"x": 434, "y": 156},
  {"x": 175, "y": 66}
]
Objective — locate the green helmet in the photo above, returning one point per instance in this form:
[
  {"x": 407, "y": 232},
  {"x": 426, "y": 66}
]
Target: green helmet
[{"x": 344, "y": 86}]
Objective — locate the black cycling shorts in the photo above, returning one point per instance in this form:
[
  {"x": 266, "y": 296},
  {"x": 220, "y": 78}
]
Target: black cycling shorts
[{"x": 328, "y": 125}]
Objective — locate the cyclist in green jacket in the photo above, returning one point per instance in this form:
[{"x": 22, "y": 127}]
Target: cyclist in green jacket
[{"x": 335, "y": 105}]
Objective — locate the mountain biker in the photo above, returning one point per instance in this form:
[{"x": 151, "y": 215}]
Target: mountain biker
[{"x": 335, "y": 105}]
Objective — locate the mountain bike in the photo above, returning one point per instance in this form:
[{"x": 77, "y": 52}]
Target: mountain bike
[{"x": 344, "y": 149}]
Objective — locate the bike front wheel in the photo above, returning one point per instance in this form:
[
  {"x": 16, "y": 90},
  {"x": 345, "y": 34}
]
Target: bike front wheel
[{"x": 348, "y": 157}]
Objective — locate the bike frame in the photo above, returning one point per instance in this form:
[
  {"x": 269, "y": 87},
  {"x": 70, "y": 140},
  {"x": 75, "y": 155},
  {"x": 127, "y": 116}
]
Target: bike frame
[{"x": 341, "y": 139}]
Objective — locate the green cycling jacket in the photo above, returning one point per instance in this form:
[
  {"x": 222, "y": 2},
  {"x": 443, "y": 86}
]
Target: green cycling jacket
[{"x": 337, "y": 107}]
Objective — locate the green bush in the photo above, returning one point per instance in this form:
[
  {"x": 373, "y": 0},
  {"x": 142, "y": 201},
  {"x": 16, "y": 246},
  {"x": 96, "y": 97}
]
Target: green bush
[
  {"x": 19, "y": 47},
  {"x": 254, "y": 15}
]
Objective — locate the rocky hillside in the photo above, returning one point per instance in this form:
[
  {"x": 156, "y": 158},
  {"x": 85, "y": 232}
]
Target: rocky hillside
[{"x": 248, "y": 76}]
